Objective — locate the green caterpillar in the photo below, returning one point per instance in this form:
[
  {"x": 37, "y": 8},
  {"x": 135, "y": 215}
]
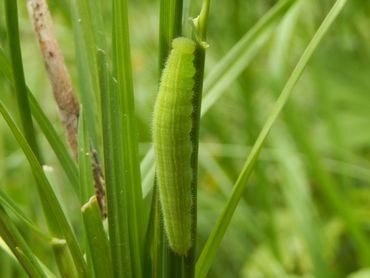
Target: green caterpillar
[{"x": 172, "y": 144}]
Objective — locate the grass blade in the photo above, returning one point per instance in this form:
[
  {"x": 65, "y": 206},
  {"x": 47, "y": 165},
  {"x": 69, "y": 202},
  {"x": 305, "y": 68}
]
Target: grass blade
[
  {"x": 11, "y": 256},
  {"x": 170, "y": 27},
  {"x": 97, "y": 240},
  {"x": 226, "y": 71},
  {"x": 210, "y": 249},
  {"x": 94, "y": 230},
  {"x": 123, "y": 184},
  {"x": 24, "y": 110},
  {"x": 8, "y": 203},
  {"x": 84, "y": 161},
  {"x": 87, "y": 67},
  {"x": 231, "y": 66},
  {"x": 55, "y": 216},
  {"x": 47, "y": 128},
  {"x": 55, "y": 141},
  {"x": 18, "y": 245}
]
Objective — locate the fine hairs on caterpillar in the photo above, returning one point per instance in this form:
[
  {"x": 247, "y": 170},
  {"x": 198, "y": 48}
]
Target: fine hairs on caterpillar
[{"x": 172, "y": 125}]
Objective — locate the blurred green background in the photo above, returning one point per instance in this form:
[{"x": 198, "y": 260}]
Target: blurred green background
[{"x": 313, "y": 172}]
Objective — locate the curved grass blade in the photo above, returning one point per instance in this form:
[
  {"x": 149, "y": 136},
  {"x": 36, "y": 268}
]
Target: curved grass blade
[
  {"x": 56, "y": 218},
  {"x": 61, "y": 152},
  {"x": 225, "y": 72},
  {"x": 10, "y": 234},
  {"x": 214, "y": 240},
  {"x": 9, "y": 253},
  {"x": 8, "y": 203}
]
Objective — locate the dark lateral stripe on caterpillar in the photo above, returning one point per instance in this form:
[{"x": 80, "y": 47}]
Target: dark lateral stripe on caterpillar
[{"x": 172, "y": 144}]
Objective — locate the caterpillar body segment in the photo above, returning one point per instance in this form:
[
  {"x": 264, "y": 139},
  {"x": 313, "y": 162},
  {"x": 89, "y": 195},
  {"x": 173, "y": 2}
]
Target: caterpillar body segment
[{"x": 172, "y": 125}]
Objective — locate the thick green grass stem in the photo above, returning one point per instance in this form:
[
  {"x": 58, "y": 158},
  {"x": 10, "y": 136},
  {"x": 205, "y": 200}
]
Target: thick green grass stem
[
  {"x": 209, "y": 251},
  {"x": 123, "y": 180},
  {"x": 199, "y": 62},
  {"x": 116, "y": 205},
  {"x": 11, "y": 12}
]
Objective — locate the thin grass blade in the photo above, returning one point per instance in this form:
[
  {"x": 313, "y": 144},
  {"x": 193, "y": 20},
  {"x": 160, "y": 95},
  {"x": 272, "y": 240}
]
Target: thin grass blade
[
  {"x": 209, "y": 251},
  {"x": 56, "y": 218},
  {"x": 64, "y": 157},
  {"x": 10, "y": 234},
  {"x": 8, "y": 203},
  {"x": 231, "y": 65},
  {"x": 170, "y": 27},
  {"x": 11, "y": 12}
]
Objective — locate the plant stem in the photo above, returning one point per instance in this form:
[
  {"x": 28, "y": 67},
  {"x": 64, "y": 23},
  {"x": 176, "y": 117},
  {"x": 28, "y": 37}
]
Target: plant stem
[
  {"x": 199, "y": 61},
  {"x": 11, "y": 12},
  {"x": 123, "y": 180},
  {"x": 57, "y": 71}
]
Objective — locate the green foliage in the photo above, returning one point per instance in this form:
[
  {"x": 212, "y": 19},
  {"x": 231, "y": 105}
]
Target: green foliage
[{"x": 283, "y": 187}]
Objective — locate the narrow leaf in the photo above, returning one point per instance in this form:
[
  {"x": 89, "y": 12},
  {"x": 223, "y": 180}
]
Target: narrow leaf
[
  {"x": 55, "y": 216},
  {"x": 209, "y": 251},
  {"x": 19, "y": 247},
  {"x": 11, "y": 12},
  {"x": 97, "y": 239},
  {"x": 47, "y": 128}
]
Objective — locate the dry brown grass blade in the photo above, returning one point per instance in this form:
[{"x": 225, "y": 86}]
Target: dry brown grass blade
[
  {"x": 99, "y": 182},
  {"x": 60, "y": 80},
  {"x": 58, "y": 74}
]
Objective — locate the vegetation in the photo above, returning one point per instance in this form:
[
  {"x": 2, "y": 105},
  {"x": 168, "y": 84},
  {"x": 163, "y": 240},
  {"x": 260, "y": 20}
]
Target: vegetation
[{"x": 280, "y": 150}]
